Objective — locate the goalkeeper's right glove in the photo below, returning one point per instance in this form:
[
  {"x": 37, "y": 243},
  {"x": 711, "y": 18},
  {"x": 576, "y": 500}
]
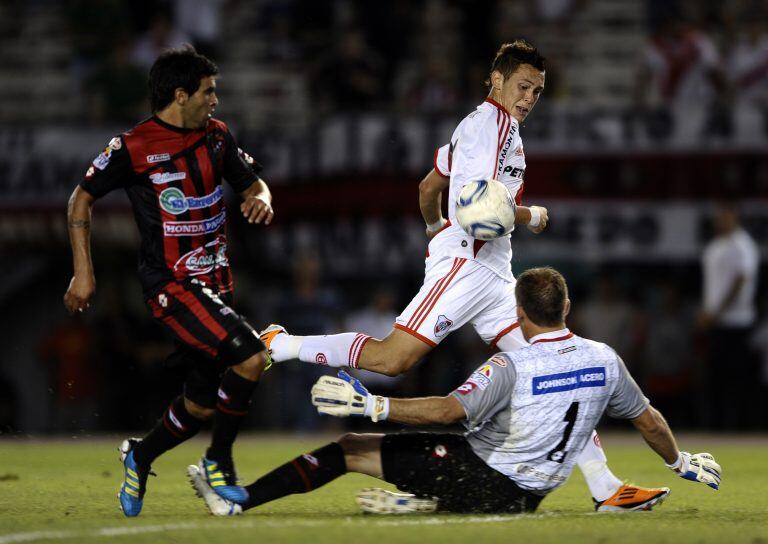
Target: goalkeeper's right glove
[
  {"x": 347, "y": 396},
  {"x": 699, "y": 467}
]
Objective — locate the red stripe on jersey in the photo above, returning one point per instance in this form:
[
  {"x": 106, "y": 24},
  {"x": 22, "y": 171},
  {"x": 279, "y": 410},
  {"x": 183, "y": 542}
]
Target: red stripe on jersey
[
  {"x": 185, "y": 335},
  {"x": 498, "y": 106},
  {"x": 503, "y": 131},
  {"x": 188, "y": 299},
  {"x": 424, "y": 339},
  {"x": 437, "y": 168},
  {"x": 519, "y": 194},
  {"x": 503, "y": 333},
  {"x": 439, "y": 294},
  {"x": 436, "y": 287},
  {"x": 478, "y": 245},
  {"x": 564, "y": 337}
]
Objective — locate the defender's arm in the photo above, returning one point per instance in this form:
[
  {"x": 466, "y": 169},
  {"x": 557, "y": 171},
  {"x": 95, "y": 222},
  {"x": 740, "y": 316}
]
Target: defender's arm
[{"x": 83, "y": 283}]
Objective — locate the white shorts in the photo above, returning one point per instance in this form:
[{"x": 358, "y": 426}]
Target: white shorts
[{"x": 458, "y": 291}]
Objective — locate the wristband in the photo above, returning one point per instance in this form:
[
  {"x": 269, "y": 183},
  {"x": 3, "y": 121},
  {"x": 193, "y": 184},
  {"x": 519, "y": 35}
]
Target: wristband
[
  {"x": 676, "y": 465},
  {"x": 377, "y": 408},
  {"x": 535, "y": 216},
  {"x": 437, "y": 225}
]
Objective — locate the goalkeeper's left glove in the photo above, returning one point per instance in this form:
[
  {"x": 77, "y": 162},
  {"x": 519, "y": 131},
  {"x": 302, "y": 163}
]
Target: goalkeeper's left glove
[
  {"x": 699, "y": 467},
  {"x": 347, "y": 396}
]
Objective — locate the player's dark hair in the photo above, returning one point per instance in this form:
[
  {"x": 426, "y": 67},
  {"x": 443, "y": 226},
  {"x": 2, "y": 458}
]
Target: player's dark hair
[
  {"x": 510, "y": 56},
  {"x": 177, "y": 68},
  {"x": 542, "y": 293}
]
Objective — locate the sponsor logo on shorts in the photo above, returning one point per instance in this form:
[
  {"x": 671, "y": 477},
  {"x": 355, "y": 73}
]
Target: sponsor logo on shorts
[
  {"x": 442, "y": 326},
  {"x": 174, "y": 201},
  {"x": 115, "y": 143},
  {"x": 204, "y": 259},
  {"x": 162, "y": 300},
  {"x": 174, "y": 419},
  {"x": 312, "y": 460},
  {"x": 158, "y": 157},
  {"x": 89, "y": 172},
  {"x": 567, "y": 381},
  {"x": 158, "y": 178},
  {"x": 222, "y": 395},
  {"x": 440, "y": 451},
  {"x": 194, "y": 228}
]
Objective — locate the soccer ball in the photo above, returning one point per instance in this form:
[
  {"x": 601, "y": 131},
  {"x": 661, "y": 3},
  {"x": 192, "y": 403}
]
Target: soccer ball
[{"x": 485, "y": 209}]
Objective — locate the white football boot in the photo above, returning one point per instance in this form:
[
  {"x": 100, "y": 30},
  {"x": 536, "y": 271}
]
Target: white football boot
[
  {"x": 374, "y": 500},
  {"x": 217, "y": 505}
]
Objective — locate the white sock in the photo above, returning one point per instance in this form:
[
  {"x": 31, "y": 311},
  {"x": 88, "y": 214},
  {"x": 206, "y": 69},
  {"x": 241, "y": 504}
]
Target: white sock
[
  {"x": 285, "y": 347},
  {"x": 336, "y": 350},
  {"x": 594, "y": 465}
]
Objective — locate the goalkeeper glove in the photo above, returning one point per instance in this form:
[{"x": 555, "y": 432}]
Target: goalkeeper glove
[
  {"x": 347, "y": 396},
  {"x": 699, "y": 467}
]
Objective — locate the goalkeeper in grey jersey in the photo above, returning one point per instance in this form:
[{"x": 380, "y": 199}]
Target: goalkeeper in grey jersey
[{"x": 527, "y": 413}]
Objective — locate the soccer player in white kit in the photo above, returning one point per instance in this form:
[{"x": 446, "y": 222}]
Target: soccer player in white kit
[
  {"x": 466, "y": 280},
  {"x": 528, "y": 413}
]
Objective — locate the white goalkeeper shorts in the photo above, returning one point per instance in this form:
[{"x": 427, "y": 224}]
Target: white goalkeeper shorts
[{"x": 458, "y": 291}]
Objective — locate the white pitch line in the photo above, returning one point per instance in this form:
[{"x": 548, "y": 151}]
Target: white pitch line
[{"x": 118, "y": 531}]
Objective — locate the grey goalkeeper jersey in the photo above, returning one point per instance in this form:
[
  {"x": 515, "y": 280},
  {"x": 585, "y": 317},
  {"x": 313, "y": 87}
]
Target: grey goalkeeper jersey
[{"x": 530, "y": 412}]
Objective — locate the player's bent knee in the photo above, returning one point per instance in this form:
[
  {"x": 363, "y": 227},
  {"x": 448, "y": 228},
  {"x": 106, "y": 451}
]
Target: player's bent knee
[
  {"x": 243, "y": 349},
  {"x": 198, "y": 412}
]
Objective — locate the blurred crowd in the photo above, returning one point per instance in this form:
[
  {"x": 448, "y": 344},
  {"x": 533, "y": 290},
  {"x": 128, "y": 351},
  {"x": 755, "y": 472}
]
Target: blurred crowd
[{"x": 431, "y": 56}]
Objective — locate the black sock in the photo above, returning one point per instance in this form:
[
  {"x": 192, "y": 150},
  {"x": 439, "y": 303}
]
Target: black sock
[
  {"x": 305, "y": 473},
  {"x": 176, "y": 426},
  {"x": 234, "y": 399}
]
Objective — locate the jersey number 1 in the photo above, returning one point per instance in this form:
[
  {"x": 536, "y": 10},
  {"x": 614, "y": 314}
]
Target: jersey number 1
[{"x": 558, "y": 453}]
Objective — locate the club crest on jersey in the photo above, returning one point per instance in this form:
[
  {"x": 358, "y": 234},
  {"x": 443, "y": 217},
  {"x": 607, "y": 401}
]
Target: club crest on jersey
[
  {"x": 158, "y": 157},
  {"x": 204, "y": 259},
  {"x": 174, "y": 201},
  {"x": 442, "y": 326}
]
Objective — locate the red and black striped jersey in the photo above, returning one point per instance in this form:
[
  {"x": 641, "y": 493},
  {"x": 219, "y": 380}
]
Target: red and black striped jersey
[{"x": 173, "y": 179}]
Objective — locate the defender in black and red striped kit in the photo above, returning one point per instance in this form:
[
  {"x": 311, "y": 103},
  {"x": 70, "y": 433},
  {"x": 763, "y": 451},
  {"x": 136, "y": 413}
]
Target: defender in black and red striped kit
[{"x": 172, "y": 166}]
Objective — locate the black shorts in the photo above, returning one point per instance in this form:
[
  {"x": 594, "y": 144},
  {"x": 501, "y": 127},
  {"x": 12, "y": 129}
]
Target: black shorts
[
  {"x": 445, "y": 467},
  {"x": 203, "y": 320},
  {"x": 203, "y": 324}
]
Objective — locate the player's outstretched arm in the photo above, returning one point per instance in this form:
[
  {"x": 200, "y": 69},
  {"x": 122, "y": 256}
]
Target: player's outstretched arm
[
  {"x": 257, "y": 203},
  {"x": 83, "y": 283},
  {"x": 697, "y": 467},
  {"x": 347, "y": 396},
  {"x": 430, "y": 201}
]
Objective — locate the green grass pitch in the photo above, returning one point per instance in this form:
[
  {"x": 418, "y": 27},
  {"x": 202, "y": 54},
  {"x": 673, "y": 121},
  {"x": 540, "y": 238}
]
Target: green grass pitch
[{"x": 64, "y": 491}]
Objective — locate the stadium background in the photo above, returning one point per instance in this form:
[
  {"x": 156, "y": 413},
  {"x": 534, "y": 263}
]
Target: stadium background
[{"x": 344, "y": 103}]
